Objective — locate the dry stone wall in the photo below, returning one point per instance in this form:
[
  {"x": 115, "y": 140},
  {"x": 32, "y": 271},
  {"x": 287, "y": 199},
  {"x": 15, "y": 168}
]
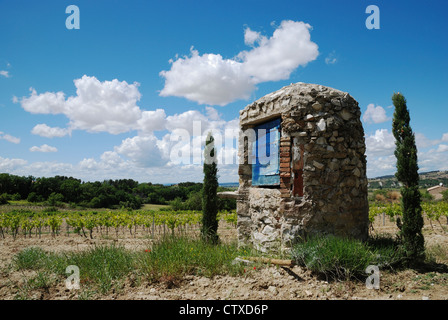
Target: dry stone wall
[{"x": 323, "y": 183}]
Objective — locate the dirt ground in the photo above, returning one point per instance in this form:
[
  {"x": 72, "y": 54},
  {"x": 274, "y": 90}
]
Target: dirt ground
[{"x": 265, "y": 283}]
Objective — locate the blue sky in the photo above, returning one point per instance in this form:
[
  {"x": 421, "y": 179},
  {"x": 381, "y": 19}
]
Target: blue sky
[{"x": 103, "y": 101}]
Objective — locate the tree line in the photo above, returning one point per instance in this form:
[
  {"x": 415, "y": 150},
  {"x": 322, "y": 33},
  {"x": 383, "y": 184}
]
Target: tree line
[{"x": 119, "y": 193}]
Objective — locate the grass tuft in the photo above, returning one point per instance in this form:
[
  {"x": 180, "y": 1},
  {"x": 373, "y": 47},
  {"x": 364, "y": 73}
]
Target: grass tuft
[
  {"x": 106, "y": 267},
  {"x": 338, "y": 258}
]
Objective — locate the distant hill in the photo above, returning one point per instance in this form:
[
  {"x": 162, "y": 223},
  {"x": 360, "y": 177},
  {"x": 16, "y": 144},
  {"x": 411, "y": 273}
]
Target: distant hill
[{"x": 427, "y": 180}]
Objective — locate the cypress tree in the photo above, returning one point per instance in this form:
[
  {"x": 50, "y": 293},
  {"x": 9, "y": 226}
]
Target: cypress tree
[
  {"x": 407, "y": 174},
  {"x": 209, "y": 230}
]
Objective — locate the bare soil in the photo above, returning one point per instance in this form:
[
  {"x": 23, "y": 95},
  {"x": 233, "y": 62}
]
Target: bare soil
[{"x": 264, "y": 283}]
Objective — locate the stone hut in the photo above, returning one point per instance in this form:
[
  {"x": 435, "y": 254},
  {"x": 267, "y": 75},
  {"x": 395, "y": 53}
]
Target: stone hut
[{"x": 302, "y": 168}]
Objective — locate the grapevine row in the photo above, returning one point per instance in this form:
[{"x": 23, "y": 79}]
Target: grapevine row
[
  {"x": 28, "y": 223},
  {"x": 433, "y": 210}
]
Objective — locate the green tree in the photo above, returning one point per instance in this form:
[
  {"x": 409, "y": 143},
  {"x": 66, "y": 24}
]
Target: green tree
[
  {"x": 71, "y": 190},
  {"x": 4, "y": 198},
  {"x": 55, "y": 199},
  {"x": 194, "y": 201},
  {"x": 407, "y": 174},
  {"x": 34, "y": 197},
  {"x": 209, "y": 230}
]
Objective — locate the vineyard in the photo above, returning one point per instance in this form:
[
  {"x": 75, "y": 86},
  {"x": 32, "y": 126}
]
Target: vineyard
[
  {"x": 152, "y": 223},
  {"x": 433, "y": 211},
  {"x": 28, "y": 223},
  {"x": 124, "y": 254}
]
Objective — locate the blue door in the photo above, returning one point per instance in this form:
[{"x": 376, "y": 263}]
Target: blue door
[{"x": 266, "y": 169}]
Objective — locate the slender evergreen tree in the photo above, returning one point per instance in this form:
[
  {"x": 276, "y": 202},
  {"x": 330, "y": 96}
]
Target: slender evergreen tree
[
  {"x": 209, "y": 231},
  {"x": 407, "y": 174}
]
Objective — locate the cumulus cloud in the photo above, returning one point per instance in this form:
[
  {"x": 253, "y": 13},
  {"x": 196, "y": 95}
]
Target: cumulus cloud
[
  {"x": 211, "y": 79},
  {"x": 194, "y": 121},
  {"x": 380, "y": 147},
  {"x": 423, "y": 142},
  {"x": 250, "y": 37},
  {"x": 207, "y": 79},
  {"x": 143, "y": 150},
  {"x": 275, "y": 58},
  {"x": 9, "y": 138},
  {"x": 442, "y": 148},
  {"x": 433, "y": 159},
  {"x": 45, "y": 103},
  {"x": 382, "y": 143},
  {"x": 108, "y": 106},
  {"x": 379, "y": 166},
  {"x": 43, "y": 148},
  {"x": 445, "y": 137},
  {"x": 151, "y": 121},
  {"x": 50, "y": 132},
  {"x": 375, "y": 114},
  {"x": 9, "y": 165}
]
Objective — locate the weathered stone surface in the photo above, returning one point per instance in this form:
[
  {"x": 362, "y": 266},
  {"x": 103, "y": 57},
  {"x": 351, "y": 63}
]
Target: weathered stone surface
[
  {"x": 325, "y": 124},
  {"x": 318, "y": 165},
  {"x": 321, "y": 125}
]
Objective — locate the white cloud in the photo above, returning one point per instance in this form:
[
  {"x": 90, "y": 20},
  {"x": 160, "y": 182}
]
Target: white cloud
[
  {"x": 380, "y": 149},
  {"x": 423, "y": 142},
  {"x": 9, "y": 138},
  {"x": 151, "y": 121},
  {"x": 45, "y": 103},
  {"x": 433, "y": 159},
  {"x": 381, "y": 160},
  {"x": 144, "y": 151},
  {"x": 108, "y": 106},
  {"x": 48, "y": 132},
  {"x": 379, "y": 166},
  {"x": 445, "y": 137},
  {"x": 43, "y": 148},
  {"x": 212, "y": 113},
  {"x": 211, "y": 79},
  {"x": 190, "y": 119},
  {"x": 375, "y": 114},
  {"x": 442, "y": 148},
  {"x": 250, "y": 37},
  {"x": 4, "y": 73},
  {"x": 382, "y": 143},
  {"x": 275, "y": 58},
  {"x": 207, "y": 79},
  {"x": 9, "y": 165}
]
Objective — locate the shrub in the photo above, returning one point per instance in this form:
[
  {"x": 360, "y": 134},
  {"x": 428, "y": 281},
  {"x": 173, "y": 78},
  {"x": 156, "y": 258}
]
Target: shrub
[
  {"x": 4, "y": 198},
  {"x": 339, "y": 258},
  {"x": 380, "y": 198},
  {"x": 55, "y": 199},
  {"x": 177, "y": 204},
  {"x": 34, "y": 197},
  {"x": 393, "y": 195},
  {"x": 426, "y": 196},
  {"x": 332, "y": 257},
  {"x": 16, "y": 197},
  {"x": 445, "y": 195}
]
